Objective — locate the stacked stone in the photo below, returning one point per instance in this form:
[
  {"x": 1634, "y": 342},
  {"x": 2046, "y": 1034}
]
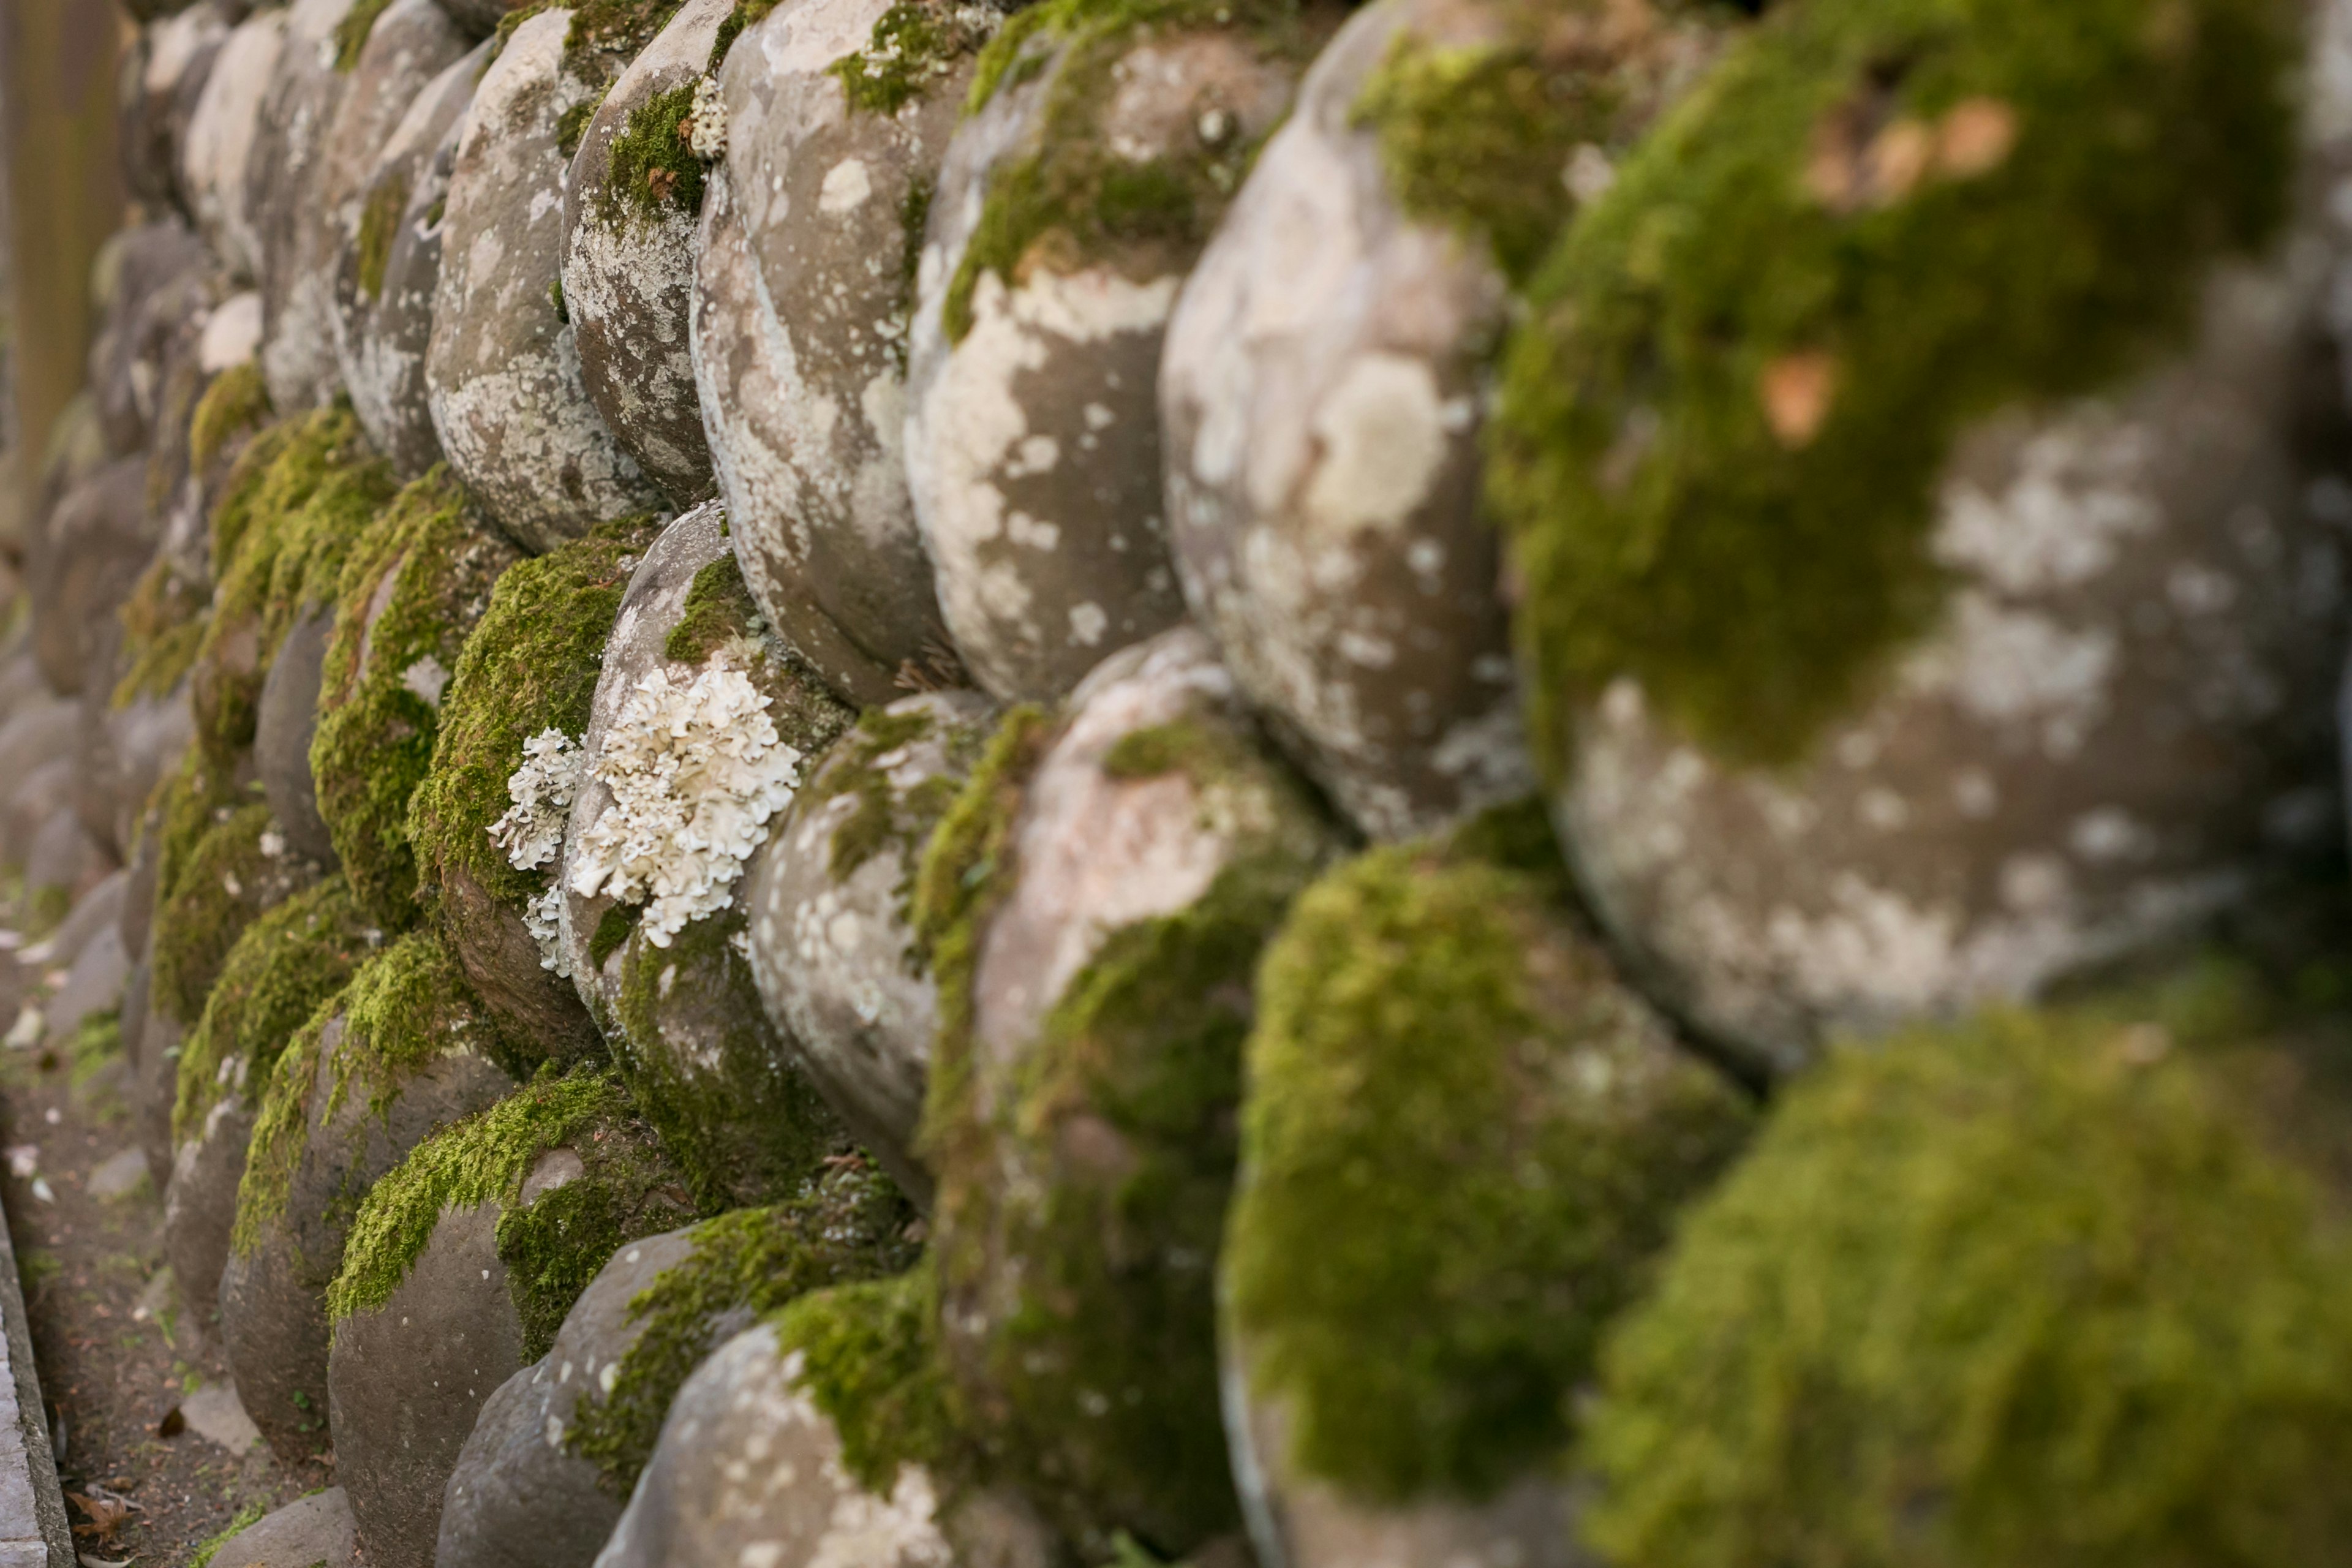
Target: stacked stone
[{"x": 1495, "y": 782}]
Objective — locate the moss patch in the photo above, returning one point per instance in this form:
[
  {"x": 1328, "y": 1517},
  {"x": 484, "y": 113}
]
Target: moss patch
[
  {"x": 198, "y": 797},
  {"x": 236, "y": 402},
  {"x": 705, "y": 1066},
  {"x": 2034, "y": 1289},
  {"x": 236, "y": 870},
  {"x": 652, "y": 171},
  {"x": 871, "y": 1362},
  {"x": 1466, "y": 1141},
  {"x": 551, "y": 1249},
  {"x": 618, "y": 30},
  {"x": 530, "y": 665},
  {"x": 718, "y": 608},
  {"x": 746, "y": 14},
  {"x": 380, "y": 216},
  {"x": 914, "y": 45},
  {"x": 417, "y": 583},
  {"x": 284, "y": 964},
  {"x": 1878, "y": 220},
  {"x": 851, "y": 1225},
  {"x": 281, "y": 1129},
  {"x": 1073, "y": 200},
  {"x": 884, "y": 819},
  {"x": 291, "y": 516}
]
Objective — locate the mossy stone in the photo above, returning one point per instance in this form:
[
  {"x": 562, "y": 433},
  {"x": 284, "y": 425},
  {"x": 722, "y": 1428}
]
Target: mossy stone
[
  {"x": 417, "y": 583},
  {"x": 1718, "y": 437},
  {"x": 530, "y": 664},
  {"x": 236, "y": 870},
  {"x": 1096, "y": 930},
  {"x": 1464, "y": 1145},
  {"x": 2059, "y": 1286}
]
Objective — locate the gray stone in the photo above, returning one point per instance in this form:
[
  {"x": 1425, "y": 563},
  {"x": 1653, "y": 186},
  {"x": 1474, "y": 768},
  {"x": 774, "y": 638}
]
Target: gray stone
[
  {"x": 118, "y": 1175},
  {"x": 286, "y": 719},
  {"x": 216, "y": 1413},
  {"x": 93, "y": 984},
  {"x": 81, "y": 565},
  {"x": 384, "y": 317},
  {"x": 163, "y": 79},
  {"x": 20, "y": 686},
  {"x": 221, "y": 134},
  {"x": 517, "y": 1497},
  {"x": 1033, "y": 443},
  {"x": 287, "y": 201},
  {"x": 305, "y": 1532},
  {"x": 406, "y": 1382},
  {"x": 800, "y": 344},
  {"x": 628, "y": 273},
  {"x": 164, "y": 282},
  {"x": 502, "y": 368},
  {"x": 64, "y": 857},
  {"x": 154, "y": 1082},
  {"x": 200, "y": 1200},
  {"x": 361, "y": 1118},
  {"x": 681, "y": 1003},
  {"x": 748, "y": 1469},
  {"x": 127, "y": 751},
  {"x": 91, "y": 915},
  {"x": 832, "y": 947},
  {"x": 35, "y": 743},
  {"x": 42, "y": 795}
]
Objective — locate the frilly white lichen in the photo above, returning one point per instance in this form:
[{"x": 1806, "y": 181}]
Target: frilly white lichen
[
  {"x": 696, "y": 770},
  {"x": 705, "y": 127},
  {"x": 531, "y": 832}
]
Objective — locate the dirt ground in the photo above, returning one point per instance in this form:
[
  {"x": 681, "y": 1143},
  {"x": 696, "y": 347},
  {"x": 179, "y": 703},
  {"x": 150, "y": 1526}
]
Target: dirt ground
[{"x": 117, "y": 1352}]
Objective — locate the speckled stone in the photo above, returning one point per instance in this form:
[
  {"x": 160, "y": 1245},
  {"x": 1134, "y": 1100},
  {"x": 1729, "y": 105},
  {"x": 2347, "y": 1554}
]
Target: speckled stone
[
  {"x": 1320, "y": 395},
  {"x": 381, "y": 334},
  {"x": 629, "y": 273},
  {"x": 2120, "y": 726},
  {"x": 222, "y": 131},
  {"x": 1032, "y": 445},
  {"x": 502, "y": 368},
  {"x": 800, "y": 323},
  {"x": 162, "y": 75},
  {"x": 748, "y": 1470},
  {"x": 833, "y": 952},
  {"x": 291, "y": 209}
]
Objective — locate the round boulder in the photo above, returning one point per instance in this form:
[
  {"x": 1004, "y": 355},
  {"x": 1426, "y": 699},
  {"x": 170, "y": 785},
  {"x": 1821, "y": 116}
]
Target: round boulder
[
  {"x": 221, "y": 133},
  {"x": 291, "y": 209}
]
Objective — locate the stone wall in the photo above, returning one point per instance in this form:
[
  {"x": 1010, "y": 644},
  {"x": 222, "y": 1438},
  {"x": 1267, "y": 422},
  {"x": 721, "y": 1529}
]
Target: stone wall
[{"x": 1480, "y": 781}]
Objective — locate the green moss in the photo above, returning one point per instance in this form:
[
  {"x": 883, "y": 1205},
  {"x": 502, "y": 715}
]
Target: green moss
[
  {"x": 352, "y": 34},
  {"x": 551, "y": 1249},
  {"x": 618, "y": 924},
  {"x": 198, "y": 797},
  {"x": 97, "y": 1040},
  {"x": 914, "y": 44},
  {"x": 516, "y": 16},
  {"x": 746, "y": 14},
  {"x": 883, "y": 820},
  {"x": 1203, "y": 752},
  {"x": 2037, "y": 1287},
  {"x": 618, "y": 30},
  {"x": 851, "y": 1225},
  {"x": 1074, "y": 199},
  {"x": 236, "y": 870},
  {"x": 407, "y": 1007},
  {"x": 556, "y": 302},
  {"x": 417, "y": 580},
  {"x": 652, "y": 171},
  {"x": 249, "y": 1514},
  {"x": 1465, "y": 1142},
  {"x": 284, "y": 964},
  {"x": 379, "y": 226},
  {"x": 718, "y": 609},
  {"x": 297, "y": 513},
  {"x": 871, "y": 1360},
  {"x": 237, "y": 401},
  {"x": 703, "y": 1064},
  {"x": 1102, "y": 1164},
  {"x": 1475, "y": 138},
  {"x": 530, "y": 664},
  {"x": 1878, "y": 220}
]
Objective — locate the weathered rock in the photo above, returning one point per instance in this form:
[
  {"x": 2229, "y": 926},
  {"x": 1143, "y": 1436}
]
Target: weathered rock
[
  {"x": 94, "y": 984},
  {"x": 354, "y": 102},
  {"x": 163, "y": 79},
  {"x": 502, "y": 368},
  {"x": 200, "y": 1202},
  {"x": 628, "y": 259},
  {"x": 63, "y": 864},
  {"x": 391, "y": 264},
  {"x": 1032, "y": 428},
  {"x": 40, "y": 796},
  {"x": 698, "y": 733},
  {"x": 748, "y": 1464},
  {"x": 89, "y": 552},
  {"x": 287, "y": 717},
  {"x": 832, "y": 943},
  {"x": 153, "y": 1081},
  {"x": 1406, "y": 1403},
  {"x": 164, "y": 283},
  {"x": 1320, "y": 392},
  {"x": 127, "y": 753},
  {"x": 291, "y": 210},
  {"x": 221, "y": 134},
  {"x": 38, "y": 736},
  {"x": 518, "y": 1498},
  {"x": 407, "y": 1049},
  {"x": 97, "y": 910},
  {"x": 1107, "y": 888},
  {"x": 311, "y": 1530},
  {"x": 800, "y": 336}
]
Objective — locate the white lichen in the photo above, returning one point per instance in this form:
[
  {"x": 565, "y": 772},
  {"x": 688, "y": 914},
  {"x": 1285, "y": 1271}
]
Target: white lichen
[
  {"x": 705, "y": 124},
  {"x": 532, "y": 831},
  {"x": 696, "y": 771}
]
